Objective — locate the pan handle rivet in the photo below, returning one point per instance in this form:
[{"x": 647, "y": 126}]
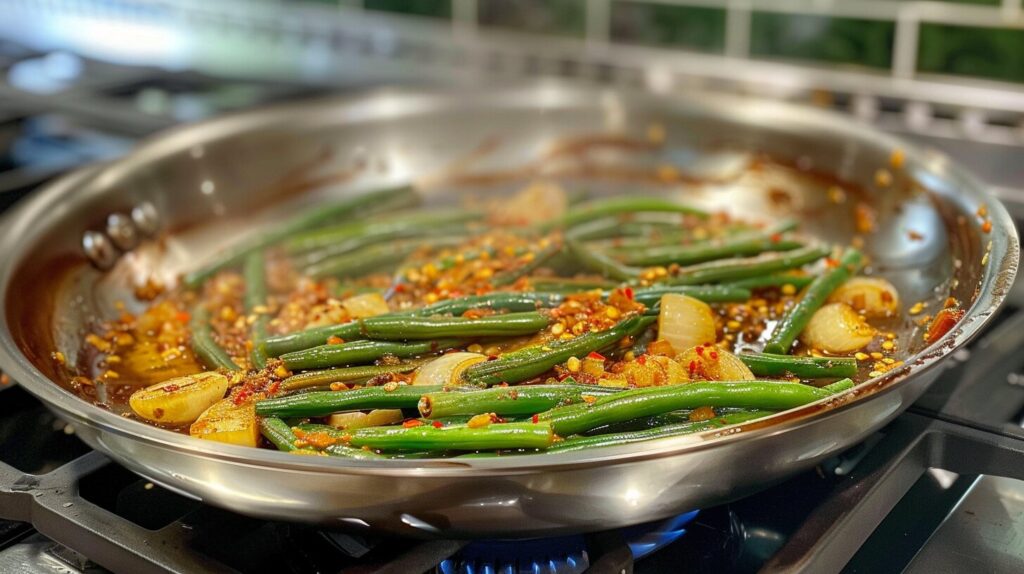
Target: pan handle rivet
[
  {"x": 122, "y": 231},
  {"x": 146, "y": 218},
  {"x": 99, "y": 249}
]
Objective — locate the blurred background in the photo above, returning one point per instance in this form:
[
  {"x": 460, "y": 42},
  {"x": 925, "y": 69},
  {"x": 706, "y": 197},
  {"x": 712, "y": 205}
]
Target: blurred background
[{"x": 84, "y": 79}]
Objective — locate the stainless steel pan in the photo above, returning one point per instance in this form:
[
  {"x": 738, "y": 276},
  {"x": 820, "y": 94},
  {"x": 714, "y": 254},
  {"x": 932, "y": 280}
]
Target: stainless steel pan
[{"x": 219, "y": 172}]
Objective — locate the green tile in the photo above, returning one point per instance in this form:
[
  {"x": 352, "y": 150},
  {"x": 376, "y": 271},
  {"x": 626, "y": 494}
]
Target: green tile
[
  {"x": 653, "y": 24},
  {"x": 983, "y": 2},
  {"x": 432, "y": 8},
  {"x": 990, "y": 53},
  {"x": 822, "y": 39},
  {"x": 561, "y": 17}
]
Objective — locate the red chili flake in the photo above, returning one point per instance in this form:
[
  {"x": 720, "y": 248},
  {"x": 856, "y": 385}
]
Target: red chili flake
[
  {"x": 693, "y": 367},
  {"x": 496, "y": 419},
  {"x": 492, "y": 357},
  {"x": 944, "y": 320},
  {"x": 563, "y": 377},
  {"x": 412, "y": 423},
  {"x": 596, "y": 356},
  {"x": 776, "y": 237},
  {"x": 986, "y": 226},
  {"x": 714, "y": 355},
  {"x": 242, "y": 396},
  {"x": 170, "y": 388},
  {"x": 535, "y": 419},
  {"x": 831, "y": 263},
  {"x": 642, "y": 359},
  {"x": 438, "y": 424},
  {"x": 273, "y": 388},
  {"x": 700, "y": 351},
  {"x": 183, "y": 316},
  {"x": 629, "y": 292},
  {"x": 400, "y": 288}
]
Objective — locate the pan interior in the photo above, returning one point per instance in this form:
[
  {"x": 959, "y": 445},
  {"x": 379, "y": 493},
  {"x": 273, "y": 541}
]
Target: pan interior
[{"x": 213, "y": 183}]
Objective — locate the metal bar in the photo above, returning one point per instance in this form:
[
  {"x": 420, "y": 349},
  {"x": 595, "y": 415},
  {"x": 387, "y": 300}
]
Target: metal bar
[
  {"x": 837, "y": 528},
  {"x": 737, "y": 29},
  {"x": 52, "y": 504},
  {"x": 904, "y": 53},
  {"x": 611, "y": 554},
  {"x": 464, "y": 17},
  {"x": 598, "y": 22},
  {"x": 1011, "y": 8},
  {"x": 421, "y": 558}
]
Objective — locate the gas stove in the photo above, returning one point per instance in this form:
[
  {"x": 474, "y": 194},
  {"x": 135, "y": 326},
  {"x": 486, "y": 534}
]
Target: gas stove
[{"x": 936, "y": 490}]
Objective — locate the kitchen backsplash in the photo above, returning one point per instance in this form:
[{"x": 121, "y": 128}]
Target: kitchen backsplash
[{"x": 984, "y": 52}]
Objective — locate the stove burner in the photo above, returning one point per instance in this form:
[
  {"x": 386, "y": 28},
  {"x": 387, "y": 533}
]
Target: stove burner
[{"x": 562, "y": 555}]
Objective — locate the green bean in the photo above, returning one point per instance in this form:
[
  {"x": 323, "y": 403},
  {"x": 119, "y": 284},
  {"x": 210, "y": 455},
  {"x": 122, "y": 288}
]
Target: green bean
[
  {"x": 839, "y": 386},
  {"x": 708, "y": 251},
  {"x": 532, "y": 361},
  {"x": 340, "y": 449},
  {"x": 788, "y": 329},
  {"x": 515, "y": 301},
  {"x": 519, "y": 400},
  {"x": 455, "y": 437},
  {"x": 600, "y": 263},
  {"x": 769, "y": 365},
  {"x": 776, "y": 280},
  {"x": 599, "y": 229},
  {"x": 314, "y": 217},
  {"x": 391, "y": 328},
  {"x": 562, "y": 285},
  {"x": 394, "y": 225},
  {"x": 660, "y": 420},
  {"x": 650, "y": 401},
  {"x": 540, "y": 257},
  {"x": 636, "y": 225},
  {"x": 310, "y": 338},
  {"x": 353, "y": 453},
  {"x": 349, "y": 375},
  {"x": 255, "y": 275},
  {"x": 360, "y": 352},
  {"x": 362, "y": 243},
  {"x": 372, "y": 258},
  {"x": 677, "y": 236},
  {"x": 204, "y": 345},
  {"x": 577, "y": 196},
  {"x": 278, "y": 433},
  {"x": 617, "y": 438},
  {"x": 736, "y": 269},
  {"x": 322, "y": 403},
  {"x": 615, "y": 206},
  {"x": 511, "y": 301},
  {"x": 707, "y": 293}
]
